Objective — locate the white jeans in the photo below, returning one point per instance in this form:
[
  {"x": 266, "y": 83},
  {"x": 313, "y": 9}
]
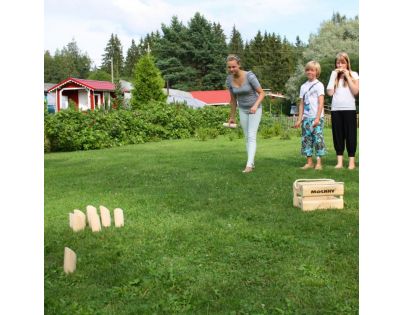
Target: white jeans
[{"x": 249, "y": 123}]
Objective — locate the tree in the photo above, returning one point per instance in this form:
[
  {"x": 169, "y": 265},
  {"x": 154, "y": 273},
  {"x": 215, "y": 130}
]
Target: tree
[
  {"x": 217, "y": 67},
  {"x": 172, "y": 56},
  {"x": 99, "y": 75},
  {"x": 132, "y": 56},
  {"x": 113, "y": 52},
  {"x": 236, "y": 45},
  {"x": 147, "y": 83},
  {"x": 68, "y": 62},
  {"x": 207, "y": 51},
  {"x": 49, "y": 68},
  {"x": 299, "y": 48},
  {"x": 118, "y": 99},
  {"x": 337, "y": 34},
  {"x": 148, "y": 44}
]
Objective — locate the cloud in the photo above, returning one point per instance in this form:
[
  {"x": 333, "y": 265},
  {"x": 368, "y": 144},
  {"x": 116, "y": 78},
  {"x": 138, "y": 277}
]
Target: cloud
[{"x": 91, "y": 22}]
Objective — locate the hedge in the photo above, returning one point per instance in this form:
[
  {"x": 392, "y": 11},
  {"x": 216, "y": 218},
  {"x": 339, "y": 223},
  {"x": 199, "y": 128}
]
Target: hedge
[{"x": 71, "y": 130}]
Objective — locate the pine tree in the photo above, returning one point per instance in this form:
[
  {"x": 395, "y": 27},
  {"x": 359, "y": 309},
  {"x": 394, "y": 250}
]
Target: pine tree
[
  {"x": 216, "y": 76},
  {"x": 148, "y": 83},
  {"x": 172, "y": 56},
  {"x": 118, "y": 99},
  {"x": 68, "y": 62},
  {"x": 236, "y": 45},
  {"x": 255, "y": 58},
  {"x": 298, "y": 50},
  {"x": 49, "y": 68},
  {"x": 113, "y": 51},
  {"x": 207, "y": 51},
  {"x": 132, "y": 56},
  {"x": 148, "y": 44}
]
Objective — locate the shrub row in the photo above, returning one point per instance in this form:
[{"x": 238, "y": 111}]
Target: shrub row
[{"x": 71, "y": 130}]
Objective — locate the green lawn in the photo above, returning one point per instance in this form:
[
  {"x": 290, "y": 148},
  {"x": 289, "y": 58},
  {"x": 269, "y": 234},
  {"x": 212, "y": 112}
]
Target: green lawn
[{"x": 200, "y": 237}]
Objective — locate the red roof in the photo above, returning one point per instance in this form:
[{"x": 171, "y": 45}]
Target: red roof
[
  {"x": 212, "y": 97},
  {"x": 91, "y": 84}
]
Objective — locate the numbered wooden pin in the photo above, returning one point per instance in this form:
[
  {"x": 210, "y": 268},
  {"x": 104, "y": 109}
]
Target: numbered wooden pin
[
  {"x": 70, "y": 258},
  {"x": 95, "y": 222},
  {"x": 105, "y": 216},
  {"x": 78, "y": 220},
  {"x": 118, "y": 217},
  {"x": 90, "y": 210}
]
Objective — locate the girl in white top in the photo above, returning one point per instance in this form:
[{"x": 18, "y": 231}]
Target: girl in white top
[{"x": 343, "y": 86}]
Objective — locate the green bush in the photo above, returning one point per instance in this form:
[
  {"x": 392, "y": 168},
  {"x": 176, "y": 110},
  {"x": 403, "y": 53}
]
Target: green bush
[
  {"x": 278, "y": 128},
  {"x": 266, "y": 132},
  {"x": 202, "y": 134},
  {"x": 47, "y": 145},
  {"x": 71, "y": 130},
  {"x": 213, "y": 133},
  {"x": 285, "y": 134}
]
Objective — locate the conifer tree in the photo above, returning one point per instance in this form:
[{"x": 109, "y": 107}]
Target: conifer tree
[
  {"x": 236, "y": 45},
  {"x": 113, "y": 53},
  {"x": 172, "y": 56},
  {"x": 118, "y": 99},
  {"x": 207, "y": 51},
  {"x": 49, "y": 68},
  {"x": 67, "y": 62},
  {"x": 132, "y": 56},
  {"x": 215, "y": 77},
  {"x": 147, "y": 83}
]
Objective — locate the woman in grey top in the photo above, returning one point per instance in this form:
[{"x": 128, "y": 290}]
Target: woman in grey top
[{"x": 246, "y": 92}]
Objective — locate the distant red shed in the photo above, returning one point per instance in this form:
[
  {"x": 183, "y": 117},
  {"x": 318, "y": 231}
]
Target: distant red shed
[{"x": 87, "y": 94}]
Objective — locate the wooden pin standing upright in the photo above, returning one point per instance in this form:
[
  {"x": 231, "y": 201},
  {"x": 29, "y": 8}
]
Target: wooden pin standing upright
[
  {"x": 95, "y": 222},
  {"x": 105, "y": 216},
  {"x": 78, "y": 220},
  {"x": 118, "y": 217},
  {"x": 70, "y": 258},
  {"x": 90, "y": 211}
]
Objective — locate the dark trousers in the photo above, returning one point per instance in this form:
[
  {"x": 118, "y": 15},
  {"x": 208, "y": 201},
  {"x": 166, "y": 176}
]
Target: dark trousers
[{"x": 344, "y": 131}]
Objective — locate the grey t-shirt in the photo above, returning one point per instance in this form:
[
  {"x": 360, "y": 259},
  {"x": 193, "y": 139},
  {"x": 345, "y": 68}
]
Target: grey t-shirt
[{"x": 246, "y": 94}]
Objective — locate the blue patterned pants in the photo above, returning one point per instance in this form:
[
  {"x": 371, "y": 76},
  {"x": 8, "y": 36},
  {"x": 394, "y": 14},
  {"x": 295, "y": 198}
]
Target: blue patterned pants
[{"x": 312, "y": 138}]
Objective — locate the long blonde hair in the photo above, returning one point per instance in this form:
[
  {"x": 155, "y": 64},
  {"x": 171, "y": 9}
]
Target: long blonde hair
[{"x": 345, "y": 57}]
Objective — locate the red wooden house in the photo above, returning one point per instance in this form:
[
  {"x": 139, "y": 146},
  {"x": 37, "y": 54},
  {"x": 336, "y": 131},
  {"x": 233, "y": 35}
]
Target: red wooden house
[{"x": 86, "y": 94}]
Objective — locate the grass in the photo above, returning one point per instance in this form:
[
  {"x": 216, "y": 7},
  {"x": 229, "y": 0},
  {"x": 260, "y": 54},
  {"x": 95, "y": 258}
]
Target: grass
[{"x": 200, "y": 237}]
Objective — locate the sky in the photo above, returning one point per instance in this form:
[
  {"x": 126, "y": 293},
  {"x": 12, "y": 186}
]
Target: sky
[{"x": 91, "y": 22}]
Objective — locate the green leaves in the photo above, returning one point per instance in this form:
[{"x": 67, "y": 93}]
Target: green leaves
[
  {"x": 68, "y": 62},
  {"x": 71, "y": 130}
]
